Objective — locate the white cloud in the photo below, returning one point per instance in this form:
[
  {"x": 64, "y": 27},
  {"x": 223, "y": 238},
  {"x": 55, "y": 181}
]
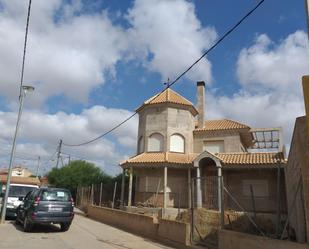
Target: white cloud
[
  {"x": 70, "y": 53},
  {"x": 67, "y": 54},
  {"x": 280, "y": 66},
  {"x": 270, "y": 74},
  {"x": 172, "y": 37},
  {"x": 40, "y": 133}
]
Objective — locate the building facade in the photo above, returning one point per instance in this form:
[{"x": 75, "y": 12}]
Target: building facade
[{"x": 183, "y": 159}]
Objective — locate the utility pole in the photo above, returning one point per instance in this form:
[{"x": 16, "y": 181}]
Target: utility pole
[
  {"x": 24, "y": 90},
  {"x": 59, "y": 152},
  {"x": 307, "y": 15},
  {"x": 37, "y": 169}
]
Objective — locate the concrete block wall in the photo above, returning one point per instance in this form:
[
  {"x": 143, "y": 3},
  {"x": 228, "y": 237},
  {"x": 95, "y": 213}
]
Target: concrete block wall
[
  {"x": 298, "y": 170},
  {"x": 177, "y": 193},
  {"x": 233, "y": 181},
  {"x": 232, "y": 140},
  {"x": 166, "y": 120},
  {"x": 141, "y": 224},
  {"x": 236, "y": 240},
  {"x": 174, "y": 230}
]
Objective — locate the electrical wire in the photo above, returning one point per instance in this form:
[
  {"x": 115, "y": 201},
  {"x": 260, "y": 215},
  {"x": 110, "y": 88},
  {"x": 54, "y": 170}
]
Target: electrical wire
[
  {"x": 178, "y": 78},
  {"x": 25, "y": 49}
]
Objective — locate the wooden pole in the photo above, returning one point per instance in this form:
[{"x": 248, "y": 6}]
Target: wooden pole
[{"x": 115, "y": 188}]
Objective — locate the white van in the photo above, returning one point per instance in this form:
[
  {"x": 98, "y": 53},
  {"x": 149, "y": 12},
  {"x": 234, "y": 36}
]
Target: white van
[{"x": 16, "y": 196}]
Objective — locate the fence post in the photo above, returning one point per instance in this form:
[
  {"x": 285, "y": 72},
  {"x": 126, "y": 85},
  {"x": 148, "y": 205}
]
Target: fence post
[
  {"x": 278, "y": 201},
  {"x": 101, "y": 189},
  {"x": 253, "y": 201},
  {"x": 113, "y": 203},
  {"x": 220, "y": 197},
  {"x": 122, "y": 188},
  {"x": 82, "y": 197},
  {"x": 92, "y": 194},
  {"x": 76, "y": 197},
  {"x": 192, "y": 209},
  {"x": 130, "y": 187}
]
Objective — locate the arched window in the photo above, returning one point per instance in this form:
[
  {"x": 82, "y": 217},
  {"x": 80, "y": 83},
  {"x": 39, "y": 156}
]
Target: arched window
[
  {"x": 155, "y": 142},
  {"x": 177, "y": 143},
  {"x": 140, "y": 145}
]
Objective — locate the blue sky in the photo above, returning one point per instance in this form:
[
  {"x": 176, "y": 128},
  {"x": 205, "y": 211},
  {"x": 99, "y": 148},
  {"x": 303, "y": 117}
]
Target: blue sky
[{"x": 93, "y": 62}]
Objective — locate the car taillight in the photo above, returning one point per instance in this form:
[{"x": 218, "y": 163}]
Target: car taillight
[
  {"x": 72, "y": 201},
  {"x": 36, "y": 201}
]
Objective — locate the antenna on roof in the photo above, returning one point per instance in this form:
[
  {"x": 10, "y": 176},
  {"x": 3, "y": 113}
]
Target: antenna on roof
[{"x": 167, "y": 83}]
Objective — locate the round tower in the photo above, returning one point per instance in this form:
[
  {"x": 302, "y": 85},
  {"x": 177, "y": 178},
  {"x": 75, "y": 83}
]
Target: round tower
[{"x": 166, "y": 124}]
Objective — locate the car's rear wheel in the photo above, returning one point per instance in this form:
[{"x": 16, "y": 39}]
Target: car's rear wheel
[
  {"x": 64, "y": 226},
  {"x": 27, "y": 225}
]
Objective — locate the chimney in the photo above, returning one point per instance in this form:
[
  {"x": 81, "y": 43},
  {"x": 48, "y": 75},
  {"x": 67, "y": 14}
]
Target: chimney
[{"x": 201, "y": 103}]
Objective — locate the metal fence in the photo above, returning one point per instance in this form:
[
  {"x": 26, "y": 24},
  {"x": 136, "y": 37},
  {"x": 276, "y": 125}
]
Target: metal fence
[{"x": 237, "y": 213}]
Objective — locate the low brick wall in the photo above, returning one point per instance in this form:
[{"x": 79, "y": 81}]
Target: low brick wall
[
  {"x": 136, "y": 223},
  {"x": 236, "y": 240},
  {"x": 175, "y": 231},
  {"x": 141, "y": 224}
]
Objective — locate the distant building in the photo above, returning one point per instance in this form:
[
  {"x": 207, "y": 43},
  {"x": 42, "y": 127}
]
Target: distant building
[
  {"x": 177, "y": 146},
  {"x": 18, "y": 171}
]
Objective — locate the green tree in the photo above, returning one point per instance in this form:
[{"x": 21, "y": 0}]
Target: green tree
[{"x": 77, "y": 173}]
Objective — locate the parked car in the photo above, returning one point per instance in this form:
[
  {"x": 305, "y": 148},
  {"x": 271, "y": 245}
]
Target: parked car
[
  {"x": 16, "y": 195},
  {"x": 46, "y": 206}
]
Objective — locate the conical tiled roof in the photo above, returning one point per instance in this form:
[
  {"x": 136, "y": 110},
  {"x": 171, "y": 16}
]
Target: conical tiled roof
[{"x": 169, "y": 96}]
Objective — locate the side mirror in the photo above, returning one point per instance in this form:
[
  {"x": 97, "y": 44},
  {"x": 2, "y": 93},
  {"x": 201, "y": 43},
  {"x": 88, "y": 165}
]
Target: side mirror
[{"x": 21, "y": 198}]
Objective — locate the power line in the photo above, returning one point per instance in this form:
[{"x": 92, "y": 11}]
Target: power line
[
  {"x": 25, "y": 49},
  {"x": 177, "y": 79}
]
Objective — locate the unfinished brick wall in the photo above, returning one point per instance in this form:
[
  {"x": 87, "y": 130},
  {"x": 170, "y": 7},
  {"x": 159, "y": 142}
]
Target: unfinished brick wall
[
  {"x": 177, "y": 185},
  {"x": 298, "y": 170},
  {"x": 234, "y": 182}
]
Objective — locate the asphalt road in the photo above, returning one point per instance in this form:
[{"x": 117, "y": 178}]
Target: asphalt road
[{"x": 84, "y": 233}]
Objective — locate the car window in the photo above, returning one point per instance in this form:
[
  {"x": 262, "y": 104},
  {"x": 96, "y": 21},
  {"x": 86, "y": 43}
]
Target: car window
[
  {"x": 17, "y": 191},
  {"x": 55, "y": 195}
]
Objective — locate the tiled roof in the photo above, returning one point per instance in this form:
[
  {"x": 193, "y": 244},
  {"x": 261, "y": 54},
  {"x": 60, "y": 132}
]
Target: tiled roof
[
  {"x": 20, "y": 180},
  {"x": 222, "y": 124},
  {"x": 161, "y": 157},
  {"x": 169, "y": 96},
  {"x": 227, "y": 159},
  {"x": 250, "y": 158}
]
